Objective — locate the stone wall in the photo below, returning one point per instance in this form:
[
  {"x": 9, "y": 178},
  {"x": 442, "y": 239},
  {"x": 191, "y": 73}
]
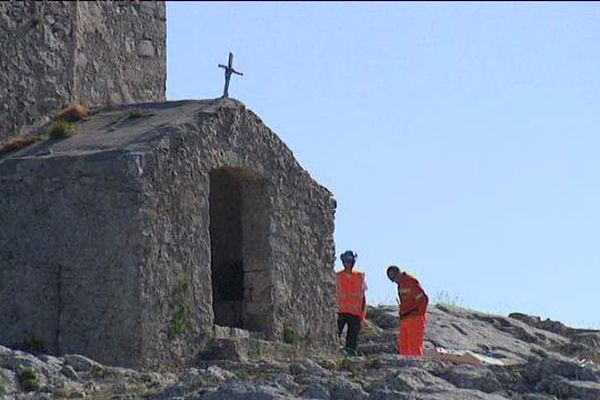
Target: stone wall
[
  {"x": 53, "y": 53},
  {"x": 70, "y": 255},
  {"x": 121, "y": 52},
  {"x": 293, "y": 285},
  {"x": 36, "y": 60},
  {"x": 296, "y": 287}
]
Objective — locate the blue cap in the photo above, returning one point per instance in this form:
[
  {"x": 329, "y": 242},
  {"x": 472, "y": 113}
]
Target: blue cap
[{"x": 348, "y": 255}]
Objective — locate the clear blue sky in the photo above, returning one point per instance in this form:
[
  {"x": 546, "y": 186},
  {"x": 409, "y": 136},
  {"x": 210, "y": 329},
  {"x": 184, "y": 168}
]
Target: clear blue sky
[{"x": 461, "y": 141}]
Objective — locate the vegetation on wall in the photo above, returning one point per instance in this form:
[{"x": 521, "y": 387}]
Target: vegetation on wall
[
  {"x": 181, "y": 308},
  {"x": 61, "y": 127}
]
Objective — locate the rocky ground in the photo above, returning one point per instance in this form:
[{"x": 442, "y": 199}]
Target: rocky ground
[{"x": 542, "y": 360}]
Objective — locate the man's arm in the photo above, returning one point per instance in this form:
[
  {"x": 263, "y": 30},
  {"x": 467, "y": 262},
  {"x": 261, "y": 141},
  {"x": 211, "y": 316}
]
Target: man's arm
[
  {"x": 423, "y": 303},
  {"x": 421, "y": 308},
  {"x": 364, "y": 302},
  {"x": 408, "y": 314},
  {"x": 363, "y": 315}
]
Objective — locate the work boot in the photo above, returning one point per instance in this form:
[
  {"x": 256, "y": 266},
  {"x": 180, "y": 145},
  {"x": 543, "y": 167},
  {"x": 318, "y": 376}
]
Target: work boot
[{"x": 348, "y": 352}]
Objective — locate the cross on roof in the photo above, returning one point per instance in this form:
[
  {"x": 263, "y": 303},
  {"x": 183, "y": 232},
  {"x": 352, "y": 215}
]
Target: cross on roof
[{"x": 228, "y": 71}]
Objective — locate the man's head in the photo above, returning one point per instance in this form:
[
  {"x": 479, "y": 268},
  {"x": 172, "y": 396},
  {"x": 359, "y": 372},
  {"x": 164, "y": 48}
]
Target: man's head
[
  {"x": 348, "y": 259},
  {"x": 393, "y": 273}
]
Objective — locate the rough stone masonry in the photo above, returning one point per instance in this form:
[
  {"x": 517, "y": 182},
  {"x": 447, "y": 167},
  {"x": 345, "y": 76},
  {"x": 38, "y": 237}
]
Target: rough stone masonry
[
  {"x": 131, "y": 240},
  {"x": 54, "y": 53}
]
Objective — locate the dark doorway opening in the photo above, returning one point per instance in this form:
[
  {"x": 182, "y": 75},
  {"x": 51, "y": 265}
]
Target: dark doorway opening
[{"x": 240, "y": 250}]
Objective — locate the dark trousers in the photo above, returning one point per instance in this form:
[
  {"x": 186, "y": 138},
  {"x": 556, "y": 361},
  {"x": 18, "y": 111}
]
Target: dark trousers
[{"x": 353, "y": 329}]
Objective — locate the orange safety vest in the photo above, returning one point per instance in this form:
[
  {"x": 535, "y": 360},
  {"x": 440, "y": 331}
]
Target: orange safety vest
[{"x": 350, "y": 293}]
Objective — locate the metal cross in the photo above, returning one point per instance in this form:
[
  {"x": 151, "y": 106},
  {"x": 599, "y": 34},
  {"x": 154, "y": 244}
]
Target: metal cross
[{"x": 228, "y": 71}]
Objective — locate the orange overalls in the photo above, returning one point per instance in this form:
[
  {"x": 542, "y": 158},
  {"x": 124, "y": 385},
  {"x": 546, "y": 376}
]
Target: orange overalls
[{"x": 411, "y": 331}]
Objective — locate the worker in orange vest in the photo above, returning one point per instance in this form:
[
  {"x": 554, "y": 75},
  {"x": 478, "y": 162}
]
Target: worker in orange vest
[
  {"x": 352, "y": 303},
  {"x": 413, "y": 309}
]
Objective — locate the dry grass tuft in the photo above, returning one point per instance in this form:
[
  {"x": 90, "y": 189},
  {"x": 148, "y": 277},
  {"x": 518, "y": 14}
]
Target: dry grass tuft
[
  {"x": 74, "y": 112},
  {"x": 19, "y": 142}
]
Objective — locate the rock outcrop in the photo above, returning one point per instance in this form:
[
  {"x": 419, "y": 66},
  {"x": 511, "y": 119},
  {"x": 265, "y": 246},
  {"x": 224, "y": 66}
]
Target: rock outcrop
[{"x": 536, "y": 367}]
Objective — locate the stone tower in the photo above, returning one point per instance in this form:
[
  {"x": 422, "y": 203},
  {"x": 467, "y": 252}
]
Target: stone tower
[{"x": 54, "y": 53}]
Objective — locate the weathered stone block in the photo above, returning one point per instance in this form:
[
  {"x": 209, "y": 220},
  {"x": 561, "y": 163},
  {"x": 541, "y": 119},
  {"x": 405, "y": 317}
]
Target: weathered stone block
[{"x": 146, "y": 48}]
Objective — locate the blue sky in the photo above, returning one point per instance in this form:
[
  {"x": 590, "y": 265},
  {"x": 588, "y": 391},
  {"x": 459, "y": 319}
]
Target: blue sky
[{"x": 460, "y": 140}]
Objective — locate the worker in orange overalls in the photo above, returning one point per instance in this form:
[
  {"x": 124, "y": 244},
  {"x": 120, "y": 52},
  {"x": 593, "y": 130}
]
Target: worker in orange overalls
[
  {"x": 351, "y": 300},
  {"x": 413, "y": 309}
]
